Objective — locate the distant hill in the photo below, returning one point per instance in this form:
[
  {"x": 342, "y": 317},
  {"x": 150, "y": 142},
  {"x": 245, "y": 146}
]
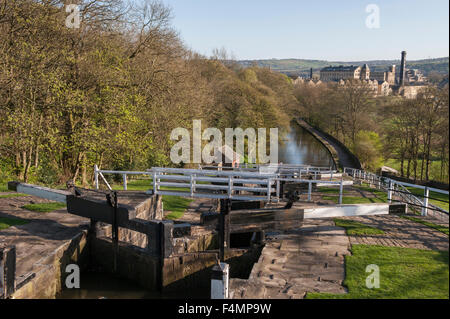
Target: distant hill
[{"x": 302, "y": 66}]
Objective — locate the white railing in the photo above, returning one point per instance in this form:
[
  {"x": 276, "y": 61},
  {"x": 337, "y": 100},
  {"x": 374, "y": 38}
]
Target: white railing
[
  {"x": 394, "y": 187},
  {"x": 208, "y": 183}
]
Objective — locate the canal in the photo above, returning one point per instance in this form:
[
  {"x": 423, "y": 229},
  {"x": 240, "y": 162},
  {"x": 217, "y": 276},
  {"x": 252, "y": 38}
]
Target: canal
[
  {"x": 300, "y": 147},
  {"x": 297, "y": 147}
]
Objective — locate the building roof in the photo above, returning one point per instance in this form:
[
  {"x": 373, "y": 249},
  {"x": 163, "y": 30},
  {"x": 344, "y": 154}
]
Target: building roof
[{"x": 348, "y": 68}]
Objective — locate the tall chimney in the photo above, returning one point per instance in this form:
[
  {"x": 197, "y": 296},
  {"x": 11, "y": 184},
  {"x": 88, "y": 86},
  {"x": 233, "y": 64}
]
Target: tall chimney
[
  {"x": 310, "y": 73},
  {"x": 402, "y": 69}
]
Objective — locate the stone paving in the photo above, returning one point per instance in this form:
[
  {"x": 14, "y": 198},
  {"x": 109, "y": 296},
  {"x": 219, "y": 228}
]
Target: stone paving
[
  {"x": 310, "y": 259},
  {"x": 44, "y": 233},
  {"x": 400, "y": 232}
]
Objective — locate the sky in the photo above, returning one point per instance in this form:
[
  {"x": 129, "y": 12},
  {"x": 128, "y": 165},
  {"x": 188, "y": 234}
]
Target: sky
[{"x": 333, "y": 30}]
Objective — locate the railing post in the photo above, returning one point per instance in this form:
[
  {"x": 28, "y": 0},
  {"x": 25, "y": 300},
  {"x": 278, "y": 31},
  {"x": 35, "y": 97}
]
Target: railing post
[
  {"x": 124, "y": 176},
  {"x": 269, "y": 189},
  {"x": 278, "y": 189},
  {"x": 96, "y": 176},
  {"x": 341, "y": 191},
  {"x": 155, "y": 189},
  {"x": 192, "y": 185},
  {"x": 309, "y": 191},
  {"x": 230, "y": 187},
  {"x": 425, "y": 201},
  {"x": 389, "y": 194}
]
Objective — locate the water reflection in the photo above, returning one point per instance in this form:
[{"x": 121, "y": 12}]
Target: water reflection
[{"x": 300, "y": 147}]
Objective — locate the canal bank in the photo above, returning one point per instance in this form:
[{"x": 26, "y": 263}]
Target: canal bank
[
  {"x": 167, "y": 262},
  {"x": 342, "y": 156}
]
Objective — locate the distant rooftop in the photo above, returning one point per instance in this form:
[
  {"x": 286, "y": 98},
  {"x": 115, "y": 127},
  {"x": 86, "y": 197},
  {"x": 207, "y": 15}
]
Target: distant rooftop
[{"x": 340, "y": 68}]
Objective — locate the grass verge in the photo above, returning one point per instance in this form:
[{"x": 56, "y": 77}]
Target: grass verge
[
  {"x": 6, "y": 222},
  {"x": 177, "y": 205},
  {"x": 44, "y": 207},
  {"x": 354, "y": 199},
  {"x": 440, "y": 228},
  {"x": 353, "y": 228},
  {"x": 405, "y": 273},
  {"x": 13, "y": 195}
]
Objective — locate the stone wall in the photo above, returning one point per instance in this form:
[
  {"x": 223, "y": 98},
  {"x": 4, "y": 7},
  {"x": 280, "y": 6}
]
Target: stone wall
[
  {"x": 150, "y": 209},
  {"x": 50, "y": 272}
]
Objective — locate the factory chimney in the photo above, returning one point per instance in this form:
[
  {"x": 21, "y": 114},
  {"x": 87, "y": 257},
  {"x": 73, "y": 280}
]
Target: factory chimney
[{"x": 402, "y": 69}]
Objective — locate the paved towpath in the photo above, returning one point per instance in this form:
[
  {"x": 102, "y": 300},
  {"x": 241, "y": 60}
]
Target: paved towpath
[{"x": 43, "y": 233}]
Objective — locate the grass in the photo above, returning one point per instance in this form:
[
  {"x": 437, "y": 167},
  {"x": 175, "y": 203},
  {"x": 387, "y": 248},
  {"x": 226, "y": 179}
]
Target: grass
[
  {"x": 4, "y": 187},
  {"x": 177, "y": 205},
  {"x": 356, "y": 229},
  {"x": 435, "y": 169},
  {"x": 380, "y": 197},
  {"x": 354, "y": 199},
  {"x": 405, "y": 273},
  {"x": 329, "y": 190},
  {"x": 44, "y": 207},
  {"x": 6, "y": 222},
  {"x": 441, "y": 197},
  {"x": 13, "y": 195},
  {"x": 440, "y": 228}
]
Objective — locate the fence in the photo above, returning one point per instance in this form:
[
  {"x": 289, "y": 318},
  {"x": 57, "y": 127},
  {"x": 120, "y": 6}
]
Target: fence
[
  {"x": 220, "y": 184},
  {"x": 394, "y": 187}
]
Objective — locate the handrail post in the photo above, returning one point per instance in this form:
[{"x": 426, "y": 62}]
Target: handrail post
[
  {"x": 192, "y": 185},
  {"x": 341, "y": 191},
  {"x": 96, "y": 176},
  {"x": 389, "y": 194},
  {"x": 425, "y": 201},
  {"x": 124, "y": 176},
  {"x": 269, "y": 189},
  {"x": 309, "y": 191},
  {"x": 155, "y": 190}
]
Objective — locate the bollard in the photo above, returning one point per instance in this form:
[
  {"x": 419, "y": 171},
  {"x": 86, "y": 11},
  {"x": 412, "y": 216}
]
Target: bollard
[{"x": 219, "y": 281}]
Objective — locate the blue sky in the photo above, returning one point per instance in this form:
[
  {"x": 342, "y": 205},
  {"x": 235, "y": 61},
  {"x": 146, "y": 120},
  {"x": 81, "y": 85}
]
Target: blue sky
[{"x": 325, "y": 30}]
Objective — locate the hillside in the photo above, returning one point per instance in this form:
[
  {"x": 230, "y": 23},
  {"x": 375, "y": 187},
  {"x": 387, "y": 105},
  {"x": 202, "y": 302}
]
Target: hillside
[{"x": 301, "y": 66}]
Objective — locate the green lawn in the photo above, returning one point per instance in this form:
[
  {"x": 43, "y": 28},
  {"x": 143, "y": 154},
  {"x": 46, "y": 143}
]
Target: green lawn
[
  {"x": 13, "y": 195},
  {"x": 354, "y": 228},
  {"x": 175, "y": 204},
  {"x": 440, "y": 228},
  {"x": 354, "y": 199},
  {"x": 380, "y": 197},
  {"x": 4, "y": 187},
  {"x": 441, "y": 197},
  {"x": 435, "y": 169},
  {"x": 44, "y": 207},
  {"x": 329, "y": 190},
  {"x": 6, "y": 222},
  {"x": 405, "y": 273}
]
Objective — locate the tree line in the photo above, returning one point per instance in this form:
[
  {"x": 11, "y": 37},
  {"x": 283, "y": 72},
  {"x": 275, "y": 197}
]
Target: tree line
[
  {"x": 111, "y": 91},
  {"x": 410, "y": 134}
]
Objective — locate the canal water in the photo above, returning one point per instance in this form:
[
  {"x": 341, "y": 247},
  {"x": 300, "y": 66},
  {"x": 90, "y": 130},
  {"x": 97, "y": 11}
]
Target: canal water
[
  {"x": 297, "y": 147},
  {"x": 300, "y": 147}
]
